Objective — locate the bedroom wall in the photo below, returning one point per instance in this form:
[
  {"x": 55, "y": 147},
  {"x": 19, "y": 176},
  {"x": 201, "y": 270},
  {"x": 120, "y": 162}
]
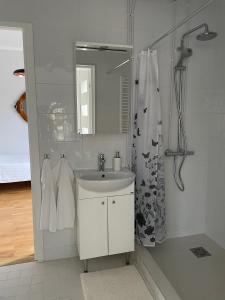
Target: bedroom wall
[
  {"x": 57, "y": 25},
  {"x": 13, "y": 129}
]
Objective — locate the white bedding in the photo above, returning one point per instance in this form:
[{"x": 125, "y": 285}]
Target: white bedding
[{"x": 14, "y": 168}]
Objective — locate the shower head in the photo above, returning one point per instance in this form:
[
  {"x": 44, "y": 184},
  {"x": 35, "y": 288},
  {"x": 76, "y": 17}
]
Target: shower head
[{"x": 206, "y": 36}]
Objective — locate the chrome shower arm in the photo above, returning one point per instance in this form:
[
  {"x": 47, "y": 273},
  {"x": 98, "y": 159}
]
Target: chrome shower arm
[
  {"x": 186, "y": 34},
  {"x": 172, "y": 30}
]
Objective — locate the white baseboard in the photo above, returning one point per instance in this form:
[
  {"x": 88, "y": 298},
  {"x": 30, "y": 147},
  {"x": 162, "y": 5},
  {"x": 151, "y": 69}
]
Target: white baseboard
[{"x": 60, "y": 252}]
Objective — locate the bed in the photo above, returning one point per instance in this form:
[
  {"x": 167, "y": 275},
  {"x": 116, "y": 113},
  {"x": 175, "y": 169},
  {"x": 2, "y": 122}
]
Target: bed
[{"x": 14, "y": 168}]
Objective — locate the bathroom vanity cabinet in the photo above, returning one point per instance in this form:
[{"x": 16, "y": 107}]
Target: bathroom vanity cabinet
[{"x": 105, "y": 222}]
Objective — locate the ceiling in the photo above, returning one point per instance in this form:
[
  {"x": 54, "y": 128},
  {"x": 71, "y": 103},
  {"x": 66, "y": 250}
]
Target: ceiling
[{"x": 11, "y": 39}]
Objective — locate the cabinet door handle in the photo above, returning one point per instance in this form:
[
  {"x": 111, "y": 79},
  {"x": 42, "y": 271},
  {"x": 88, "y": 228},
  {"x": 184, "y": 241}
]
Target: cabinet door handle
[
  {"x": 103, "y": 202},
  {"x": 113, "y": 202}
]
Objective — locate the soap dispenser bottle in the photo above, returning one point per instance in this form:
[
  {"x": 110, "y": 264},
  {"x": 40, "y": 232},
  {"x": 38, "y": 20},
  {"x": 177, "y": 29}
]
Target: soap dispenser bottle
[{"x": 117, "y": 162}]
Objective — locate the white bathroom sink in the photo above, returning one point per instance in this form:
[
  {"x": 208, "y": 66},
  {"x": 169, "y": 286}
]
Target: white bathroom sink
[{"x": 107, "y": 181}]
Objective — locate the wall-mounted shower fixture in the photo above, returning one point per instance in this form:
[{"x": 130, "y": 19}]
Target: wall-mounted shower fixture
[
  {"x": 185, "y": 53},
  {"x": 169, "y": 32},
  {"x": 181, "y": 152},
  {"x": 206, "y": 35}
]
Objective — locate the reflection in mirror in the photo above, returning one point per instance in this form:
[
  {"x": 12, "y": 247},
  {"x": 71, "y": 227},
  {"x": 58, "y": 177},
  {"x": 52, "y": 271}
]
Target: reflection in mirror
[
  {"x": 103, "y": 95},
  {"x": 85, "y": 75}
]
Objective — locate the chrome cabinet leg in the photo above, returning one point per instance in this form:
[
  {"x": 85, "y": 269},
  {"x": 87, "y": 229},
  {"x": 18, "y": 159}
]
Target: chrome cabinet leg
[
  {"x": 127, "y": 258},
  {"x": 85, "y": 266}
]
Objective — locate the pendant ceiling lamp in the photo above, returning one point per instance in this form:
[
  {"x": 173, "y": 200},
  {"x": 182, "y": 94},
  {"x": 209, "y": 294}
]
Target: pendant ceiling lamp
[{"x": 19, "y": 73}]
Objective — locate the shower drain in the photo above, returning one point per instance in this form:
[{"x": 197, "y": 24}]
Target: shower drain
[{"x": 200, "y": 252}]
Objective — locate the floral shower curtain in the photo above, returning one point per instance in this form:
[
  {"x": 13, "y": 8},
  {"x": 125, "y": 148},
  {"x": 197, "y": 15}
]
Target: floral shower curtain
[{"x": 148, "y": 154}]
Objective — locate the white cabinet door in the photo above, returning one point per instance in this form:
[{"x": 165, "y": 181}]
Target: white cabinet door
[
  {"x": 93, "y": 235},
  {"x": 121, "y": 224}
]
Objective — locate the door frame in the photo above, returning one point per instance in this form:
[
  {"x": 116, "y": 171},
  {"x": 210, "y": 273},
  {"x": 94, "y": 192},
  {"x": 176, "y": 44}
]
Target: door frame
[{"x": 32, "y": 130}]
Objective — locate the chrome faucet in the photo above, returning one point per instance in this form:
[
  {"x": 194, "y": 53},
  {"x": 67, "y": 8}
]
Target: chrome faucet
[{"x": 101, "y": 162}]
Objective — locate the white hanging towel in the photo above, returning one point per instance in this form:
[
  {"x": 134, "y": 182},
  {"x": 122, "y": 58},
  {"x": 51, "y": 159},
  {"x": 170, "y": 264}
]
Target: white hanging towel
[
  {"x": 65, "y": 196},
  {"x": 48, "y": 217}
]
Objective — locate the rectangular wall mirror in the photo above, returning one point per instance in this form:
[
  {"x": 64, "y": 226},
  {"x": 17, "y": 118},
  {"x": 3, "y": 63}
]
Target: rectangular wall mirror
[{"x": 103, "y": 75}]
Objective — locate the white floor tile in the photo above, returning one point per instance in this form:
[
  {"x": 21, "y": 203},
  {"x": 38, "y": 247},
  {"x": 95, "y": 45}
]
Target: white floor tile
[
  {"x": 37, "y": 279},
  {"x": 23, "y": 297},
  {"x": 38, "y": 296},
  {"x": 3, "y": 275},
  {"x": 24, "y": 281},
  {"x": 13, "y": 274},
  {"x": 53, "y": 280}
]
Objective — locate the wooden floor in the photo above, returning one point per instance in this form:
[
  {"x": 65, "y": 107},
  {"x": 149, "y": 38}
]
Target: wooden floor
[{"x": 16, "y": 227}]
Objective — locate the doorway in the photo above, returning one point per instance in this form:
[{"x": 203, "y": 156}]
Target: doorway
[
  {"x": 20, "y": 193},
  {"x": 16, "y": 223}
]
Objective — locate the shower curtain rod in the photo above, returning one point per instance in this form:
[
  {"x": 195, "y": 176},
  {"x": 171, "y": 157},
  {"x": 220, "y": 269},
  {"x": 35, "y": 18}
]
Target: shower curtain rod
[
  {"x": 173, "y": 29},
  {"x": 181, "y": 23}
]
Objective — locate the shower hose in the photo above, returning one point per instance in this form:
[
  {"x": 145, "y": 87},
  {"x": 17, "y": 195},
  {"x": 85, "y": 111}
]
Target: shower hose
[{"x": 178, "y": 161}]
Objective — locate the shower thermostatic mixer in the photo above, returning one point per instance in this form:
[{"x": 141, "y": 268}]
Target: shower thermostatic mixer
[{"x": 170, "y": 153}]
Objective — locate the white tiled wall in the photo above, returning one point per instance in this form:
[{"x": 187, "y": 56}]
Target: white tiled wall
[
  {"x": 186, "y": 211},
  {"x": 214, "y": 104},
  {"x": 57, "y": 25},
  {"x": 55, "y": 38},
  {"x": 200, "y": 208},
  {"x": 192, "y": 211}
]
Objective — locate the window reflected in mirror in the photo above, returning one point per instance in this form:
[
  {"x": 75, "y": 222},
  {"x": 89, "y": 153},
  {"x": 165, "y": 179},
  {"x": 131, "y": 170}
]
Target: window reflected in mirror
[{"x": 85, "y": 79}]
